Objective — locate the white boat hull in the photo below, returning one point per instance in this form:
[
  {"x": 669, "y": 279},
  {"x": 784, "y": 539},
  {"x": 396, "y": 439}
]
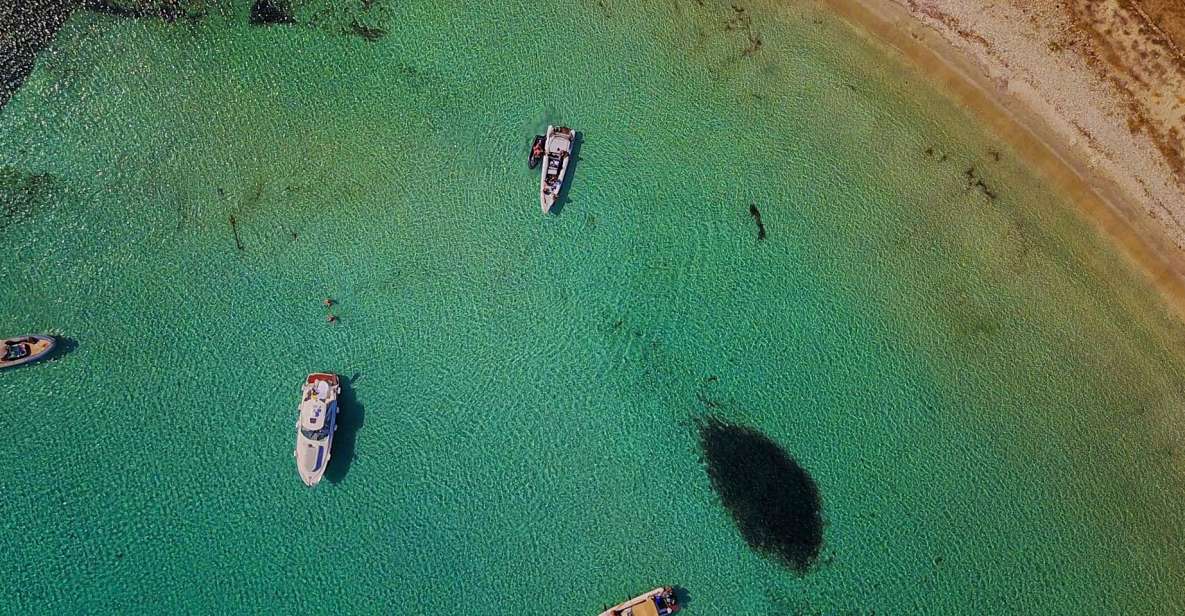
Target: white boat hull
[
  {"x": 557, "y": 150},
  {"x": 315, "y": 426}
]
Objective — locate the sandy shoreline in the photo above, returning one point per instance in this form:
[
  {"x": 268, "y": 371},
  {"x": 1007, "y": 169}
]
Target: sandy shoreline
[{"x": 1067, "y": 114}]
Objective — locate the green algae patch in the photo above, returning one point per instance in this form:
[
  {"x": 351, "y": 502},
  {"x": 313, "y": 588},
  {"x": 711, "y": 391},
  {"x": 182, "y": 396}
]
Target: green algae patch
[
  {"x": 369, "y": 20},
  {"x": 21, "y": 194}
]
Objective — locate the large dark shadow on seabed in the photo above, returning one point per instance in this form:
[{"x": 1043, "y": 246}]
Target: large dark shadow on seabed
[
  {"x": 570, "y": 175},
  {"x": 773, "y": 501},
  {"x": 350, "y": 417}
]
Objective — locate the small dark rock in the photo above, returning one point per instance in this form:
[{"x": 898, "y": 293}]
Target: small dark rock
[
  {"x": 268, "y": 12},
  {"x": 234, "y": 229},
  {"x": 366, "y": 32},
  {"x": 756, "y": 214}
]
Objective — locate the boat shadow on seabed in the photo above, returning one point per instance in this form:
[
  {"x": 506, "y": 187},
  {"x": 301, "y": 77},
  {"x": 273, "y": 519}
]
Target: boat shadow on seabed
[
  {"x": 573, "y": 161},
  {"x": 63, "y": 345},
  {"x": 350, "y": 417}
]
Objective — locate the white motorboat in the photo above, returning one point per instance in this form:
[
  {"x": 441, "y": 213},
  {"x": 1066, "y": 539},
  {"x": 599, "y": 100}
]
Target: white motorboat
[
  {"x": 315, "y": 426},
  {"x": 557, "y": 151}
]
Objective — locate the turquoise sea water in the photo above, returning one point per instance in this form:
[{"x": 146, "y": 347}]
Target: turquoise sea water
[{"x": 987, "y": 398}]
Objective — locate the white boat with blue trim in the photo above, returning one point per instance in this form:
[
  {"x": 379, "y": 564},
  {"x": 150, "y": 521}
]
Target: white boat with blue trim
[
  {"x": 557, "y": 150},
  {"x": 316, "y": 425}
]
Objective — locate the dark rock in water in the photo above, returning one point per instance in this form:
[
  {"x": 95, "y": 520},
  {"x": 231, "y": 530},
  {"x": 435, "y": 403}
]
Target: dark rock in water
[
  {"x": 756, "y": 214},
  {"x": 26, "y": 26},
  {"x": 118, "y": 9},
  {"x": 773, "y": 501},
  {"x": 167, "y": 10},
  {"x": 267, "y": 12},
  {"x": 234, "y": 229},
  {"x": 369, "y": 20},
  {"x": 368, "y": 33}
]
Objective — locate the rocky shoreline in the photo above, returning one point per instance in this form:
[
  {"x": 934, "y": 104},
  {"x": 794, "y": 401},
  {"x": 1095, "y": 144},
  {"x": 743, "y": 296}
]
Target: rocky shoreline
[{"x": 28, "y": 26}]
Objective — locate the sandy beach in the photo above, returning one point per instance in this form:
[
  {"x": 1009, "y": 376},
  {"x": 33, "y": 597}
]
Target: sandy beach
[{"x": 1090, "y": 93}]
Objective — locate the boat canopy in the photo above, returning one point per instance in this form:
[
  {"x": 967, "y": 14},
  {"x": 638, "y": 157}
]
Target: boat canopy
[
  {"x": 312, "y": 420},
  {"x": 316, "y": 435},
  {"x": 556, "y": 139},
  {"x": 314, "y": 413}
]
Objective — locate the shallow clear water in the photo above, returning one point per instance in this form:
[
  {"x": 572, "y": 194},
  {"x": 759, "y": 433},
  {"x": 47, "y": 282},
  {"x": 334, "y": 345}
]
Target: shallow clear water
[{"x": 983, "y": 394}]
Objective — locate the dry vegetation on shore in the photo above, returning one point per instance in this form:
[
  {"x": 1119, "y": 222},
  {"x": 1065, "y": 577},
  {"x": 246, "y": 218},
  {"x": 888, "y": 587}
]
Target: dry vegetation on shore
[
  {"x": 1136, "y": 45},
  {"x": 1102, "y": 82}
]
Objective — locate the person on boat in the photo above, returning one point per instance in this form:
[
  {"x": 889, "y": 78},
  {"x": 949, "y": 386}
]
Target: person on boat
[{"x": 15, "y": 350}]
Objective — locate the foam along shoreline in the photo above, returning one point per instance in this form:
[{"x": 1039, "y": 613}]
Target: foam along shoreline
[{"x": 1069, "y": 128}]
